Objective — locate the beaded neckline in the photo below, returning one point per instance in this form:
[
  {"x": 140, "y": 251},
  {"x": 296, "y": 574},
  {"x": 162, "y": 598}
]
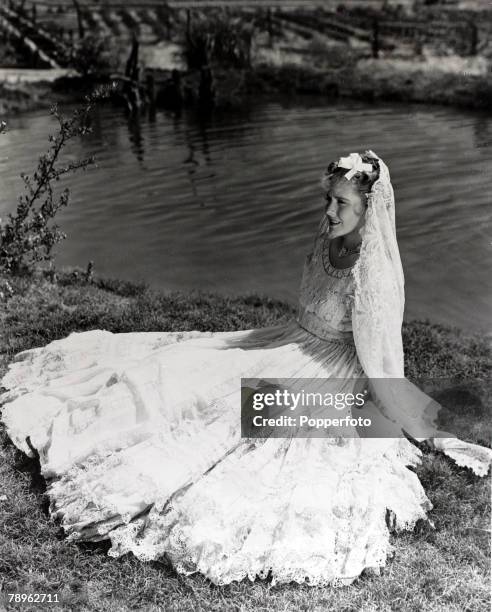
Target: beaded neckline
[{"x": 327, "y": 265}]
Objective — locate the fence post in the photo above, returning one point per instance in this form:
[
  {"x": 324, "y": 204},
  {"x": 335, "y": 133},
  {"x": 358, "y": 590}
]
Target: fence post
[
  {"x": 131, "y": 70},
  {"x": 473, "y": 38},
  {"x": 188, "y": 24},
  {"x": 168, "y": 27},
  {"x": 80, "y": 21},
  {"x": 418, "y": 43},
  {"x": 269, "y": 27},
  {"x": 375, "y": 37}
]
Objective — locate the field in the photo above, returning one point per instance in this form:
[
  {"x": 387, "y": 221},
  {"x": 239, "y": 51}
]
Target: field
[{"x": 284, "y": 26}]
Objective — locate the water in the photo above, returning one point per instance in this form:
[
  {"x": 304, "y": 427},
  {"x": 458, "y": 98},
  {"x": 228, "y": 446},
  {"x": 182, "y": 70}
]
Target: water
[{"x": 231, "y": 204}]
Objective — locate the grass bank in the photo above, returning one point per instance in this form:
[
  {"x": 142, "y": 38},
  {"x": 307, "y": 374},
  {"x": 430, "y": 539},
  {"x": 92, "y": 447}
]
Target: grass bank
[
  {"x": 442, "y": 569},
  {"x": 17, "y": 98},
  {"x": 24, "y": 96}
]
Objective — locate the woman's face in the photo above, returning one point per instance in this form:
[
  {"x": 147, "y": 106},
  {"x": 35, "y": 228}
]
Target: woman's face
[{"x": 344, "y": 208}]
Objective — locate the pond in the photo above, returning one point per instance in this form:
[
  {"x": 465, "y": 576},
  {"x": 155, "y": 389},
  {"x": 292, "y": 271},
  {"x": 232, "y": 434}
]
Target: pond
[{"x": 230, "y": 203}]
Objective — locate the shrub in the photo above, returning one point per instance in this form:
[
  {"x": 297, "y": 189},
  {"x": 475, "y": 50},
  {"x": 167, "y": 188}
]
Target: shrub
[
  {"x": 216, "y": 39},
  {"x": 28, "y": 236},
  {"x": 91, "y": 55}
]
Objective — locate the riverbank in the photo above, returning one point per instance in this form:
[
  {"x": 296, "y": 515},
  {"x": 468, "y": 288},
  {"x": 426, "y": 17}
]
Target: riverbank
[
  {"x": 383, "y": 80},
  {"x": 26, "y": 90},
  {"x": 432, "y": 569},
  {"x": 367, "y": 79}
]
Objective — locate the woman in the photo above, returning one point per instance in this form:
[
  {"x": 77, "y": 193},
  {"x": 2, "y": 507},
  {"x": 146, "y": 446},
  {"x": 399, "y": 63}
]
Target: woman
[{"x": 140, "y": 436}]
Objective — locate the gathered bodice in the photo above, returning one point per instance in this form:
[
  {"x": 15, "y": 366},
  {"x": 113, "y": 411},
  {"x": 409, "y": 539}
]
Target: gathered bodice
[{"x": 326, "y": 294}]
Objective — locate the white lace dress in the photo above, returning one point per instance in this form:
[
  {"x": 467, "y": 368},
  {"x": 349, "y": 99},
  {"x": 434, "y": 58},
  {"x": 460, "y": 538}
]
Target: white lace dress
[{"x": 139, "y": 437}]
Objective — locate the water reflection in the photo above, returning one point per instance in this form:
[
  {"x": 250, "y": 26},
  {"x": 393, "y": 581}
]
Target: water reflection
[
  {"x": 135, "y": 136},
  {"x": 482, "y": 131},
  {"x": 231, "y": 202}
]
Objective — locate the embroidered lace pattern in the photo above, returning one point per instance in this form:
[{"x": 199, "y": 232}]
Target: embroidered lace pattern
[{"x": 326, "y": 297}]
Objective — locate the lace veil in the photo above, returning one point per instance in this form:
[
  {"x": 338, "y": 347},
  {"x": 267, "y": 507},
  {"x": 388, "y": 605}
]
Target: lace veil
[
  {"x": 379, "y": 297},
  {"x": 377, "y": 316}
]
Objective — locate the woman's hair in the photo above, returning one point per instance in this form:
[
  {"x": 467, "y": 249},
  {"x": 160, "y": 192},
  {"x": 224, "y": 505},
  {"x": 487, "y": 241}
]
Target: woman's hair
[{"x": 363, "y": 181}]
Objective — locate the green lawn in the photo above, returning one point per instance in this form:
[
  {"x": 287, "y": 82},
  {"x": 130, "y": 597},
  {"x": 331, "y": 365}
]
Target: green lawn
[{"x": 444, "y": 569}]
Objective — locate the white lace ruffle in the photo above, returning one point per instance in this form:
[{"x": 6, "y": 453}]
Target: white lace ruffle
[{"x": 253, "y": 515}]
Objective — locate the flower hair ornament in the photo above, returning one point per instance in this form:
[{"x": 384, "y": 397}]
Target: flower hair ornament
[{"x": 353, "y": 163}]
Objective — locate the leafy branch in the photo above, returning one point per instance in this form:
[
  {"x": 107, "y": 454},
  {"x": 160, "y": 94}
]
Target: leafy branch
[{"x": 28, "y": 236}]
